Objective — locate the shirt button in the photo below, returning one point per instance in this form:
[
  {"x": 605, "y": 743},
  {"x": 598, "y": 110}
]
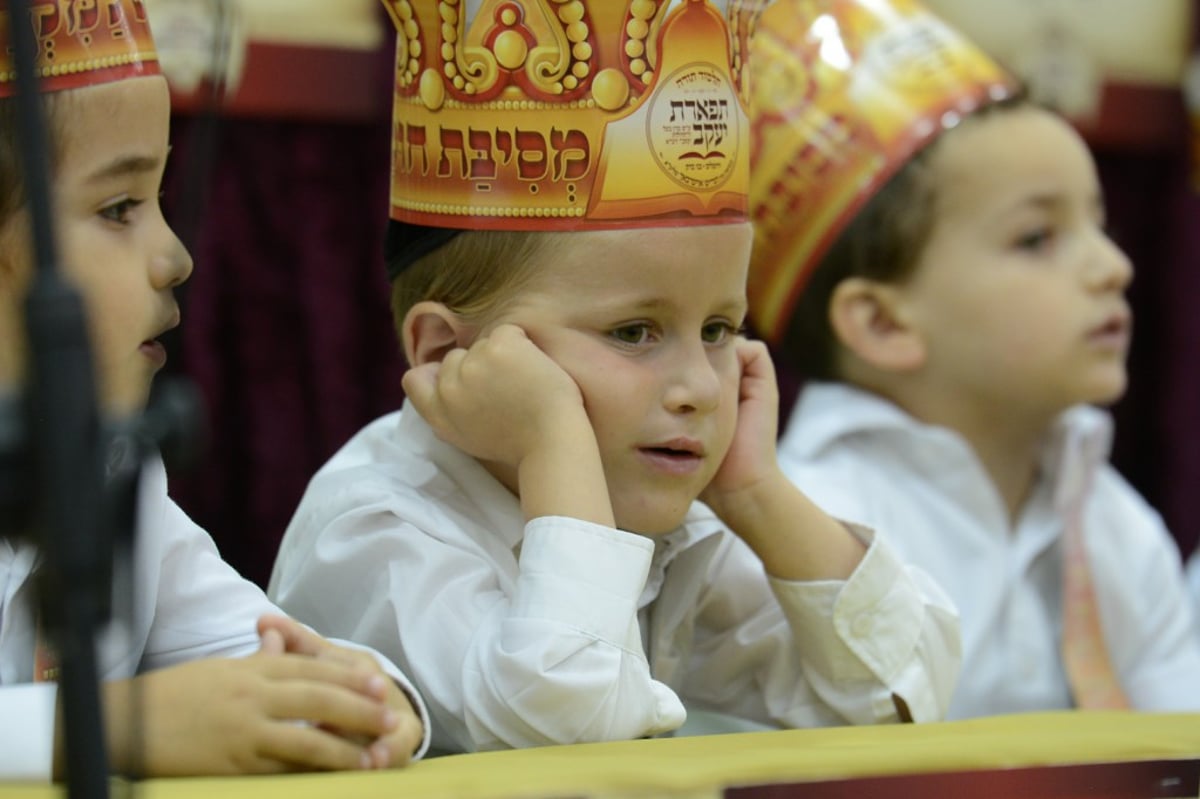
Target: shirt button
[{"x": 862, "y": 626}]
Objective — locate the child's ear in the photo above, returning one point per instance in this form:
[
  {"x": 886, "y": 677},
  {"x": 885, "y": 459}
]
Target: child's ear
[
  {"x": 869, "y": 320},
  {"x": 431, "y": 330}
]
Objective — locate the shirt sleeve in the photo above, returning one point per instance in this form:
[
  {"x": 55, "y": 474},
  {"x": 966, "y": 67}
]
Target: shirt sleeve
[
  {"x": 507, "y": 653},
  {"x": 882, "y": 646},
  {"x": 27, "y": 734},
  {"x": 569, "y": 637},
  {"x": 200, "y": 606}
]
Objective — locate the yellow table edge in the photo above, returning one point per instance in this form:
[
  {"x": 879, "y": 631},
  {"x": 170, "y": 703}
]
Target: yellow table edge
[{"x": 702, "y": 766}]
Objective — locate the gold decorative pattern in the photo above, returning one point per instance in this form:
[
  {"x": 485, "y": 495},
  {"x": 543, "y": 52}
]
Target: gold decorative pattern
[
  {"x": 514, "y": 114},
  {"x": 408, "y": 44},
  {"x": 81, "y": 42}
]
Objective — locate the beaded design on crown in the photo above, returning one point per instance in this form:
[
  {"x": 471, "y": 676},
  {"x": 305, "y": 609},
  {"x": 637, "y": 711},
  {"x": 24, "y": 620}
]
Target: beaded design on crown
[
  {"x": 82, "y": 42},
  {"x": 566, "y": 114},
  {"x": 842, "y": 93}
]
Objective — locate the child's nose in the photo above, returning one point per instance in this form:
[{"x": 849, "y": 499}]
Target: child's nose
[
  {"x": 692, "y": 382},
  {"x": 173, "y": 267},
  {"x": 1111, "y": 267}
]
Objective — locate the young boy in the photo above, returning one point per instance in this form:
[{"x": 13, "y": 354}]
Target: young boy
[
  {"x": 174, "y": 701},
  {"x": 967, "y": 314},
  {"x": 524, "y": 534}
]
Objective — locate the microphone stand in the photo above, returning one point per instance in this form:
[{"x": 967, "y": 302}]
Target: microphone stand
[{"x": 65, "y": 443}]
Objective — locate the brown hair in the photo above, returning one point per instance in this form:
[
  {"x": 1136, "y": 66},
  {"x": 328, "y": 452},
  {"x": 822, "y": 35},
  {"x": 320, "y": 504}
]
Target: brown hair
[
  {"x": 882, "y": 243},
  {"x": 12, "y": 187},
  {"x": 471, "y": 274}
]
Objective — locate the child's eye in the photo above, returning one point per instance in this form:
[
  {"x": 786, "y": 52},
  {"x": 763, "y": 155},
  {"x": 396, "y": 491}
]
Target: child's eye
[
  {"x": 119, "y": 211},
  {"x": 1035, "y": 240},
  {"x": 632, "y": 334},
  {"x": 718, "y": 332}
]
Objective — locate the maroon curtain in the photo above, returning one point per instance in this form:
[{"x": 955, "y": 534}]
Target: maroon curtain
[
  {"x": 286, "y": 327},
  {"x": 1153, "y": 213},
  {"x": 1178, "y": 402},
  {"x": 1154, "y": 208}
]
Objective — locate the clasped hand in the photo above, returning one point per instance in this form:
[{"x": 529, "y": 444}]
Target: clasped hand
[{"x": 299, "y": 704}]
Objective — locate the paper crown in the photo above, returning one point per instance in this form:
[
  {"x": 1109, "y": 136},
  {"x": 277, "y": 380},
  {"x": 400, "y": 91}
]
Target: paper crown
[
  {"x": 81, "y": 42},
  {"x": 842, "y": 93},
  {"x": 566, "y": 115}
]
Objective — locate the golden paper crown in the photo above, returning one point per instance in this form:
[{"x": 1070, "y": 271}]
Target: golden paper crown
[
  {"x": 82, "y": 42},
  {"x": 566, "y": 115},
  {"x": 842, "y": 93}
]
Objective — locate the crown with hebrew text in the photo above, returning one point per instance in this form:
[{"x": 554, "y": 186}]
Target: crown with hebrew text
[
  {"x": 81, "y": 42},
  {"x": 566, "y": 114},
  {"x": 841, "y": 94}
]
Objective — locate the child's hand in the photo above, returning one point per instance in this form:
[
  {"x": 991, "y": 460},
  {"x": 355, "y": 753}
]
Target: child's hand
[
  {"x": 794, "y": 538},
  {"x": 498, "y": 401},
  {"x": 267, "y": 713},
  {"x": 751, "y": 459},
  {"x": 283, "y": 635},
  {"x": 507, "y": 402}
]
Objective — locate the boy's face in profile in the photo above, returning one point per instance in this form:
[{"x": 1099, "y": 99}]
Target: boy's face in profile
[
  {"x": 644, "y": 321},
  {"x": 1019, "y": 293},
  {"x": 114, "y": 244}
]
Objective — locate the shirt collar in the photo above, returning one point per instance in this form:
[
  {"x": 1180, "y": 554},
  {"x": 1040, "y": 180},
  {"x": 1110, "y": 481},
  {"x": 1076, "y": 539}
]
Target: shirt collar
[
  {"x": 1078, "y": 445},
  {"x": 832, "y": 411},
  {"x": 1076, "y": 448},
  {"x": 700, "y": 524}
]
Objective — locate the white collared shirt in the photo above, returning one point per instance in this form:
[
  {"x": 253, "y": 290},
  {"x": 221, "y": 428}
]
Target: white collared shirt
[
  {"x": 866, "y": 461},
  {"x": 1193, "y": 576},
  {"x": 188, "y": 604},
  {"x": 563, "y": 631}
]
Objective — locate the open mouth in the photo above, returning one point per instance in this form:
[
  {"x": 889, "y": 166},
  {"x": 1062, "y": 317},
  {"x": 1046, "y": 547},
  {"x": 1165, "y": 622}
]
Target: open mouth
[
  {"x": 673, "y": 458},
  {"x": 152, "y": 348},
  {"x": 1113, "y": 332},
  {"x": 671, "y": 452}
]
